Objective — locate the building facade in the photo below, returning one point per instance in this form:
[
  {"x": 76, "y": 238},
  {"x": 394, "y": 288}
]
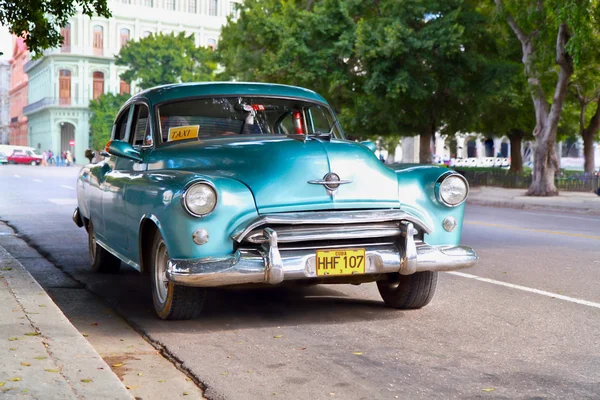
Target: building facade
[
  {"x": 477, "y": 148},
  {"x": 18, "y": 93},
  {"x": 4, "y": 101},
  {"x": 63, "y": 81}
]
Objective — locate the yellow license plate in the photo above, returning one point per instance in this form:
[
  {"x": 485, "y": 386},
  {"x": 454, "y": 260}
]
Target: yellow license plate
[{"x": 340, "y": 262}]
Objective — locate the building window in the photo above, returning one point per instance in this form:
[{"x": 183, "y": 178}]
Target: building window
[
  {"x": 171, "y": 4},
  {"x": 98, "y": 85},
  {"x": 213, "y": 6},
  {"x": 64, "y": 87},
  {"x": 233, "y": 9},
  {"x": 212, "y": 44},
  {"x": 124, "y": 87},
  {"x": 65, "y": 32},
  {"x": 124, "y": 36},
  {"x": 98, "y": 40},
  {"x": 192, "y": 6},
  {"x": 149, "y": 3}
]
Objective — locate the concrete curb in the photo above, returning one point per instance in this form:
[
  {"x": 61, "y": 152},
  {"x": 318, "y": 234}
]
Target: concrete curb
[
  {"x": 533, "y": 206},
  {"x": 76, "y": 359}
]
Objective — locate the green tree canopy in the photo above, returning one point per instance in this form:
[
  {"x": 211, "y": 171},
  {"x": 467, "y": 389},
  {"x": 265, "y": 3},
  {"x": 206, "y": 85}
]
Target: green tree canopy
[
  {"x": 299, "y": 42},
  {"x": 428, "y": 66},
  {"x": 166, "y": 58},
  {"x": 39, "y": 21},
  {"x": 387, "y": 67},
  {"x": 104, "y": 111}
]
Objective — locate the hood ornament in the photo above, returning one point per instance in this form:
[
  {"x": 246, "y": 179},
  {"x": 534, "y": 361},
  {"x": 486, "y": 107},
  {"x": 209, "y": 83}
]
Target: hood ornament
[{"x": 331, "y": 181}]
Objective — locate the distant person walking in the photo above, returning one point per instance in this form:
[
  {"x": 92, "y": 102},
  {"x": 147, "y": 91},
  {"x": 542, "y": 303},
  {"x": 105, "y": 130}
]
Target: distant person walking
[
  {"x": 50, "y": 157},
  {"x": 69, "y": 158},
  {"x": 44, "y": 162}
]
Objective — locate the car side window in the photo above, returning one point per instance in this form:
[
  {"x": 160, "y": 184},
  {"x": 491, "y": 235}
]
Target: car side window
[
  {"x": 120, "y": 128},
  {"x": 286, "y": 126},
  {"x": 141, "y": 134},
  {"x": 319, "y": 120}
]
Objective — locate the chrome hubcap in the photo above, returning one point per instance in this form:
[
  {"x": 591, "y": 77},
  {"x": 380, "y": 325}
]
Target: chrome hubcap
[{"x": 161, "y": 282}]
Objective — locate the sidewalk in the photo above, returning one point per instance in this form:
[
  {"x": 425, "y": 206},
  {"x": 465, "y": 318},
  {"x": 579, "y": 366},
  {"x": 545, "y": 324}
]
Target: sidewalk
[
  {"x": 42, "y": 355},
  {"x": 571, "y": 202}
]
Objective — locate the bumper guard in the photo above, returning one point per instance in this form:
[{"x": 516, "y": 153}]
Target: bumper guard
[{"x": 273, "y": 266}]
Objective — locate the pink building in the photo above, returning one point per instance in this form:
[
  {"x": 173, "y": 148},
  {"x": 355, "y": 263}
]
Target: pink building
[{"x": 18, "y": 93}]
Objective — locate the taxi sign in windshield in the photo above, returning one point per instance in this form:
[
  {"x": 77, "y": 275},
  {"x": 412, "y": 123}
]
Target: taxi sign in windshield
[{"x": 183, "y": 132}]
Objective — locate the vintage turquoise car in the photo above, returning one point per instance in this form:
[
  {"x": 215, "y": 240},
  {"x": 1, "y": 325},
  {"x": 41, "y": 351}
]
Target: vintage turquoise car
[{"x": 224, "y": 184}]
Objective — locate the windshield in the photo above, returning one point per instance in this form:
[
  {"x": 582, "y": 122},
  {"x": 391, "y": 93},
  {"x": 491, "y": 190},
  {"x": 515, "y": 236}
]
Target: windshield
[{"x": 223, "y": 116}]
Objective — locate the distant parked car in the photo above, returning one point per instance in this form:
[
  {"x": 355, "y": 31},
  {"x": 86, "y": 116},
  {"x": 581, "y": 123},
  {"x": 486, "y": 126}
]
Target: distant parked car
[
  {"x": 24, "y": 157},
  {"x": 223, "y": 184}
]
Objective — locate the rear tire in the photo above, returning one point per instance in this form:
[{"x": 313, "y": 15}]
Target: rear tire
[
  {"x": 173, "y": 302},
  {"x": 408, "y": 292},
  {"x": 101, "y": 260}
]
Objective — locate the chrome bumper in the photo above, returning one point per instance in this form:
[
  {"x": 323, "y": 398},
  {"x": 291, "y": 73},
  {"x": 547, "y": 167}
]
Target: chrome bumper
[{"x": 273, "y": 266}]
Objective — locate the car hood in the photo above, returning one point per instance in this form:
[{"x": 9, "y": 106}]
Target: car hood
[{"x": 278, "y": 169}]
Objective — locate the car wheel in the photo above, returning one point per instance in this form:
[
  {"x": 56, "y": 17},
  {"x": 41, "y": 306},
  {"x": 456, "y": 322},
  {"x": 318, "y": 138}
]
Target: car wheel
[
  {"x": 408, "y": 291},
  {"x": 174, "y": 302},
  {"x": 33, "y": 163},
  {"x": 101, "y": 260}
]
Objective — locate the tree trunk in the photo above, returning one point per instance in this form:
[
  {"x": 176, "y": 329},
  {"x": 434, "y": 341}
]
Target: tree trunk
[
  {"x": 588, "y": 135},
  {"x": 545, "y": 162},
  {"x": 425, "y": 147},
  {"x": 589, "y": 164},
  {"x": 425, "y": 142},
  {"x": 516, "y": 160}
]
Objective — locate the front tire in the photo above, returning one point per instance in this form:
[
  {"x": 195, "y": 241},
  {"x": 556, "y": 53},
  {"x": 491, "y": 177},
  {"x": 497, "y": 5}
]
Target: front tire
[
  {"x": 173, "y": 302},
  {"x": 101, "y": 260},
  {"x": 408, "y": 292}
]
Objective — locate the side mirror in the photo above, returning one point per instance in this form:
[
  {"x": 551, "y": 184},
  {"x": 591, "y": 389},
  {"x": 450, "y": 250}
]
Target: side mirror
[
  {"x": 370, "y": 145},
  {"x": 123, "y": 149}
]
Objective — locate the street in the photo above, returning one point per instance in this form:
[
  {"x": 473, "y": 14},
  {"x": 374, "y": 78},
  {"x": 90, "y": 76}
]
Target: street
[{"x": 523, "y": 323}]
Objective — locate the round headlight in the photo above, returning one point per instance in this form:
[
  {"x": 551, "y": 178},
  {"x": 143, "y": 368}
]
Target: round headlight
[
  {"x": 200, "y": 199},
  {"x": 453, "y": 190}
]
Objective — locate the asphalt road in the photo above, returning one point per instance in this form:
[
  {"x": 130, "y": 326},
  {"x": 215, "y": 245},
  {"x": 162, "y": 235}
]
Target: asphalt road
[{"x": 524, "y": 323}]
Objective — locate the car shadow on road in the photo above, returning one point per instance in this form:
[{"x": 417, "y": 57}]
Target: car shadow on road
[{"x": 240, "y": 308}]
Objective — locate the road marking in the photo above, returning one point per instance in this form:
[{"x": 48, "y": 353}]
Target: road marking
[
  {"x": 17, "y": 176},
  {"x": 37, "y": 180},
  {"x": 64, "y": 202},
  {"x": 563, "y": 216},
  {"x": 580, "y": 235},
  {"x": 528, "y": 289},
  {"x": 67, "y": 187}
]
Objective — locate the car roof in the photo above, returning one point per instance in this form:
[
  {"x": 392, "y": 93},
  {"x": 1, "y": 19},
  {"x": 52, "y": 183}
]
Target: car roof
[{"x": 171, "y": 92}]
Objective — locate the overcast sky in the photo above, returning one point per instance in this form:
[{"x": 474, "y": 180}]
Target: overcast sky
[{"x": 5, "y": 43}]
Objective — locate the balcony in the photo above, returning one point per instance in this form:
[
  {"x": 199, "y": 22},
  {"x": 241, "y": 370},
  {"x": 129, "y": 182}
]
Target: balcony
[{"x": 55, "y": 102}]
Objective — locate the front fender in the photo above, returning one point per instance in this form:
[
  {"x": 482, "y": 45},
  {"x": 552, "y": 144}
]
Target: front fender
[
  {"x": 164, "y": 206},
  {"x": 416, "y": 186}
]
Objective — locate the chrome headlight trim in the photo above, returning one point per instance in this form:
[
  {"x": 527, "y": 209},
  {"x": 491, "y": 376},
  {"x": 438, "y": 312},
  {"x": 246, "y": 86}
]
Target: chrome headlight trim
[
  {"x": 186, "y": 191},
  {"x": 439, "y": 183}
]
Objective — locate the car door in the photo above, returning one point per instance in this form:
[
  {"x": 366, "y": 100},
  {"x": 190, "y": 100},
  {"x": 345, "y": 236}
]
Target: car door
[
  {"x": 138, "y": 195},
  {"x": 120, "y": 210},
  {"x": 113, "y": 190}
]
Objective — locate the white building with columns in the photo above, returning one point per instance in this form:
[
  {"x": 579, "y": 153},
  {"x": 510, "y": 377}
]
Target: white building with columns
[
  {"x": 475, "y": 146},
  {"x": 64, "y": 80}
]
